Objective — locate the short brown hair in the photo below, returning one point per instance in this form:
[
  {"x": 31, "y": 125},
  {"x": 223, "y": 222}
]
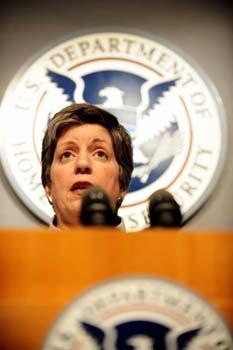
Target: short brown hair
[{"x": 79, "y": 114}]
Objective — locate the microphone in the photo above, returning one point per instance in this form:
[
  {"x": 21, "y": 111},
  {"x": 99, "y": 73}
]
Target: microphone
[
  {"x": 164, "y": 210},
  {"x": 96, "y": 209}
]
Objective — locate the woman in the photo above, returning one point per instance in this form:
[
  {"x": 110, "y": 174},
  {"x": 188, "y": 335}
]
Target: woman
[{"x": 84, "y": 146}]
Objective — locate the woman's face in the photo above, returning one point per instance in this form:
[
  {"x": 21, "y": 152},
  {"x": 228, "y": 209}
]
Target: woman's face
[{"x": 84, "y": 157}]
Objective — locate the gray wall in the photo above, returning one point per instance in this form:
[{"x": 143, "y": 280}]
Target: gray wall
[{"x": 202, "y": 29}]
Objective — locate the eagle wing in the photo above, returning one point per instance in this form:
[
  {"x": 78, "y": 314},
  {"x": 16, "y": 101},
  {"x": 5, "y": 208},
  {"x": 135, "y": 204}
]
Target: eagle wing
[
  {"x": 63, "y": 82},
  {"x": 157, "y": 136},
  {"x": 95, "y": 332},
  {"x": 184, "y": 338},
  {"x": 154, "y": 118}
]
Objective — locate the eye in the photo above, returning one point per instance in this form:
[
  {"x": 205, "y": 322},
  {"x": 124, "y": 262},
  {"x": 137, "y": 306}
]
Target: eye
[
  {"x": 101, "y": 154},
  {"x": 66, "y": 155}
]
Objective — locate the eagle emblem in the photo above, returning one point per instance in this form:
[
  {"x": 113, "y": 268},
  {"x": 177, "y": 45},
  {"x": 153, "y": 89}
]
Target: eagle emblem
[
  {"x": 142, "y": 106},
  {"x": 139, "y": 335}
]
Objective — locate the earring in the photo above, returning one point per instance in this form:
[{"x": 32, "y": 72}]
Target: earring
[{"x": 50, "y": 200}]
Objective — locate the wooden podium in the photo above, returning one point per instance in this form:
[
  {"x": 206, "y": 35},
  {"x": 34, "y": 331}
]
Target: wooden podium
[{"x": 42, "y": 271}]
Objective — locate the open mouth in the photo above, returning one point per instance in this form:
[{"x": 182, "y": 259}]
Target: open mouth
[{"x": 80, "y": 186}]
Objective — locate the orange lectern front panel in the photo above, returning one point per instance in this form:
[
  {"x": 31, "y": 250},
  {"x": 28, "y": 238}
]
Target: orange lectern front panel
[{"x": 42, "y": 271}]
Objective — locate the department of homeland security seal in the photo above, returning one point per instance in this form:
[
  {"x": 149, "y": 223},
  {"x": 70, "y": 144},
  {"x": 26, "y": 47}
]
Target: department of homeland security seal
[
  {"x": 138, "y": 313},
  {"x": 170, "y": 108}
]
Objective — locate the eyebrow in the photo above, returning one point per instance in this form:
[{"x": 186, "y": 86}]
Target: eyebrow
[{"x": 73, "y": 143}]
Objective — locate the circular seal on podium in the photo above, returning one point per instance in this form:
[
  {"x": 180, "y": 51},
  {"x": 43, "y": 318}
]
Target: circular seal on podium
[{"x": 138, "y": 313}]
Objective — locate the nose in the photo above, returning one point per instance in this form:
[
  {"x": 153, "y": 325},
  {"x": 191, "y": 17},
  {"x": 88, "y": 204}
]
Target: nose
[{"x": 83, "y": 164}]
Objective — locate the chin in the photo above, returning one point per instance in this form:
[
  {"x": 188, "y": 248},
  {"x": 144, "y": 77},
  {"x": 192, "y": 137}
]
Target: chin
[{"x": 75, "y": 210}]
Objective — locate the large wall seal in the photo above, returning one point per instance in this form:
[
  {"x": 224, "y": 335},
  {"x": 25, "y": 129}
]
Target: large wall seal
[
  {"x": 133, "y": 313},
  {"x": 172, "y": 110}
]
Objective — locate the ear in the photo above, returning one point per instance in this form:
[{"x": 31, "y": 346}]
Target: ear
[
  {"x": 47, "y": 191},
  {"x": 48, "y": 194},
  {"x": 120, "y": 198},
  {"x": 123, "y": 193}
]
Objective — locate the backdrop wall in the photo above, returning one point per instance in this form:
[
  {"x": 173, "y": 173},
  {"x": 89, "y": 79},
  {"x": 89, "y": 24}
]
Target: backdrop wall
[{"x": 202, "y": 29}]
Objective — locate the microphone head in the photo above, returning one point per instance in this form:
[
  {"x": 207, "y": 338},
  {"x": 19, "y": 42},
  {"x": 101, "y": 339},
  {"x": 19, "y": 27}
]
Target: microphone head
[
  {"x": 96, "y": 209},
  {"x": 164, "y": 210}
]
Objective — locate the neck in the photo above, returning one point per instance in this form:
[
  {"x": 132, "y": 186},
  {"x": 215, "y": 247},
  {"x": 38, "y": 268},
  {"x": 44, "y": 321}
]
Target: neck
[{"x": 63, "y": 224}]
